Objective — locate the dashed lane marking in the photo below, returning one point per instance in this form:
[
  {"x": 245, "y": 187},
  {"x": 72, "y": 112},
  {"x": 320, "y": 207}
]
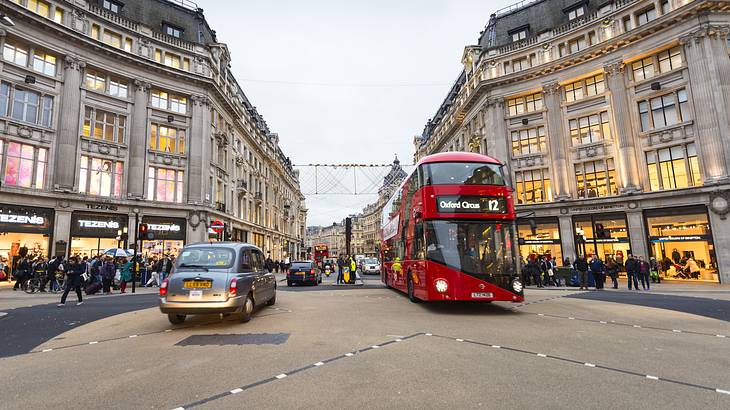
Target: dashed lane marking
[
  {"x": 635, "y": 326},
  {"x": 287, "y": 374},
  {"x": 593, "y": 365}
]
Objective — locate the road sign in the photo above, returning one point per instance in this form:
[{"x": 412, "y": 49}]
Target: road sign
[{"x": 217, "y": 226}]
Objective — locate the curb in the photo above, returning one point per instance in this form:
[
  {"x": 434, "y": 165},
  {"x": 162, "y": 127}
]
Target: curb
[{"x": 3, "y": 314}]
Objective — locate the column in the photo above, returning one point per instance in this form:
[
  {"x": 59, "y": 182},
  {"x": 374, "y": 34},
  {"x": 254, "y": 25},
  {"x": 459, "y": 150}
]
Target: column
[
  {"x": 567, "y": 237},
  {"x": 68, "y": 124},
  {"x": 138, "y": 141},
  {"x": 496, "y": 134},
  {"x": 628, "y": 168},
  {"x": 556, "y": 140},
  {"x": 638, "y": 236},
  {"x": 61, "y": 231},
  {"x": 721, "y": 237},
  {"x": 707, "y": 96},
  {"x": 198, "y": 150}
]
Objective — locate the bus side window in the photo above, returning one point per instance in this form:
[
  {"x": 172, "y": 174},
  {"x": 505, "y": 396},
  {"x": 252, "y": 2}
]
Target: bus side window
[{"x": 418, "y": 251}]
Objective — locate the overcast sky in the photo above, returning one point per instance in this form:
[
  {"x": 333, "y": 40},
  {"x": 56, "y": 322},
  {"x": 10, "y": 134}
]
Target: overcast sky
[{"x": 347, "y": 81}]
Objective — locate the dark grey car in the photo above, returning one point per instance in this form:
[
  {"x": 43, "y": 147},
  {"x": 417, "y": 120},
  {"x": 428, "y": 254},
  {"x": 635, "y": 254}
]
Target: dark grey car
[{"x": 215, "y": 278}]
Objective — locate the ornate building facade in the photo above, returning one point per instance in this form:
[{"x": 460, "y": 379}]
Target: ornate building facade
[
  {"x": 119, "y": 112},
  {"x": 612, "y": 120}
]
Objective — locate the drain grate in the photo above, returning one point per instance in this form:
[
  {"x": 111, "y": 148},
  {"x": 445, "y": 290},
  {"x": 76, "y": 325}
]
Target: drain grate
[{"x": 235, "y": 339}]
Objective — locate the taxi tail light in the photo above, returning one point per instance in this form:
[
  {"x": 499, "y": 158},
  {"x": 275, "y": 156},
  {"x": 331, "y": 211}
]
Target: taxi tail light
[
  {"x": 312, "y": 271},
  {"x": 233, "y": 289},
  {"x": 163, "y": 287}
]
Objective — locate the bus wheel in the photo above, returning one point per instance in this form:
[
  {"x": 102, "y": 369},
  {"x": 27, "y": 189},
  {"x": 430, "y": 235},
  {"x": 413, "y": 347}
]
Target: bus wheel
[{"x": 411, "y": 296}]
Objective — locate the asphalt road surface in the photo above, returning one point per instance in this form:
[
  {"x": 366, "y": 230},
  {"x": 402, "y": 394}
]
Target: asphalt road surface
[{"x": 369, "y": 347}]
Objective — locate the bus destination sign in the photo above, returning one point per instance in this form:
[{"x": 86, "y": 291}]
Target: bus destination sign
[{"x": 455, "y": 204}]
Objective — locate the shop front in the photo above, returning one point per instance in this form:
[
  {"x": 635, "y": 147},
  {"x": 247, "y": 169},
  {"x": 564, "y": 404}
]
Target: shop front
[
  {"x": 24, "y": 230},
  {"x": 169, "y": 236},
  {"x": 93, "y": 233},
  {"x": 605, "y": 235},
  {"x": 542, "y": 239},
  {"x": 679, "y": 236}
]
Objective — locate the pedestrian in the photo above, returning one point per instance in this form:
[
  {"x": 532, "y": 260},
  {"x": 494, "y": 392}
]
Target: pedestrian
[
  {"x": 644, "y": 273},
  {"x": 269, "y": 264},
  {"x": 597, "y": 269},
  {"x": 548, "y": 267},
  {"x": 155, "y": 274},
  {"x": 581, "y": 265},
  {"x": 108, "y": 271},
  {"x": 655, "y": 267},
  {"x": 693, "y": 268},
  {"x": 632, "y": 271},
  {"x": 340, "y": 270},
  {"x": 40, "y": 266},
  {"x": 22, "y": 273},
  {"x": 534, "y": 268},
  {"x": 74, "y": 270},
  {"x": 612, "y": 271},
  {"x": 125, "y": 276},
  {"x": 676, "y": 257},
  {"x": 353, "y": 270}
]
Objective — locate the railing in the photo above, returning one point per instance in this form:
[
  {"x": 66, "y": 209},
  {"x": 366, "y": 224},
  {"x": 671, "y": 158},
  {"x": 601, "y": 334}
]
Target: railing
[
  {"x": 513, "y": 7},
  {"x": 242, "y": 186},
  {"x": 173, "y": 41},
  {"x": 588, "y": 18},
  {"x": 113, "y": 17},
  {"x": 185, "y": 3}
]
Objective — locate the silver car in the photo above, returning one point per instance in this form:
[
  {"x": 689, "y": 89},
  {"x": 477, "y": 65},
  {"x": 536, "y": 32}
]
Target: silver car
[
  {"x": 215, "y": 278},
  {"x": 370, "y": 265}
]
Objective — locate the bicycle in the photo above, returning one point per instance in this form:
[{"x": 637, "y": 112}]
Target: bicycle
[
  {"x": 59, "y": 281},
  {"x": 33, "y": 284}
]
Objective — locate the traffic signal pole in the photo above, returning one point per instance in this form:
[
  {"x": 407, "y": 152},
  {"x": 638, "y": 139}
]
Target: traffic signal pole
[{"x": 137, "y": 245}]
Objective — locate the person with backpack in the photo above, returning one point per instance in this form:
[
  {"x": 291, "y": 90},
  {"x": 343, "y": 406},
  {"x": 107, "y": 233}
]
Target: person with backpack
[
  {"x": 612, "y": 271},
  {"x": 597, "y": 269},
  {"x": 644, "y": 275},
  {"x": 632, "y": 271},
  {"x": 581, "y": 265},
  {"x": 74, "y": 270}
]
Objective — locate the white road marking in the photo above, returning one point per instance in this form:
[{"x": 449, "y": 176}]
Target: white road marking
[
  {"x": 720, "y": 335},
  {"x": 429, "y": 334},
  {"x": 132, "y": 336},
  {"x": 459, "y": 340},
  {"x": 47, "y": 350},
  {"x": 236, "y": 391},
  {"x": 648, "y": 376},
  {"x": 496, "y": 347},
  {"x": 398, "y": 340},
  {"x": 541, "y": 314},
  {"x": 542, "y": 355},
  {"x": 603, "y": 322},
  {"x": 179, "y": 408},
  {"x": 571, "y": 318},
  {"x": 637, "y": 326},
  {"x": 349, "y": 354},
  {"x": 722, "y": 391},
  {"x": 676, "y": 331},
  {"x": 281, "y": 376},
  {"x": 375, "y": 347},
  {"x": 168, "y": 330},
  {"x": 589, "y": 364},
  {"x": 93, "y": 343},
  {"x": 319, "y": 364}
]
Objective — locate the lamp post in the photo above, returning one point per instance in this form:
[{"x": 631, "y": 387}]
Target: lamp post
[{"x": 137, "y": 244}]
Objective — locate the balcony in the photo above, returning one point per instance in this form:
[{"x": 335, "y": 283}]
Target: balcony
[
  {"x": 241, "y": 186},
  {"x": 220, "y": 207},
  {"x": 258, "y": 197}
]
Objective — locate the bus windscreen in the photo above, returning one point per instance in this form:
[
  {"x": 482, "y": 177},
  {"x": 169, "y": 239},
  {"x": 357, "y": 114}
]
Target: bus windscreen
[{"x": 462, "y": 173}]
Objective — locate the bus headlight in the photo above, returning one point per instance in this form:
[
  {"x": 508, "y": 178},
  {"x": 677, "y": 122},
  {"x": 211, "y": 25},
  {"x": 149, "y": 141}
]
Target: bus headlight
[
  {"x": 517, "y": 286},
  {"x": 441, "y": 285}
]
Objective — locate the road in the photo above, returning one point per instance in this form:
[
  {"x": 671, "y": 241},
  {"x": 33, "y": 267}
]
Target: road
[{"x": 368, "y": 347}]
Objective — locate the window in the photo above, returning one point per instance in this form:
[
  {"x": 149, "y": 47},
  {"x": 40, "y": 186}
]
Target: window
[
  {"x": 167, "y": 139},
  {"x": 172, "y": 60},
  {"x": 665, "y": 7},
  {"x": 164, "y": 185},
  {"x": 171, "y": 30},
  {"x": 670, "y": 59},
  {"x": 533, "y": 186},
  {"x": 643, "y": 69},
  {"x": 577, "y": 44},
  {"x": 113, "y": 39},
  {"x": 158, "y": 56},
  {"x": 528, "y": 103},
  {"x": 595, "y": 85},
  {"x": 25, "y": 165},
  {"x": 591, "y": 128},
  {"x": 15, "y": 54},
  {"x": 576, "y": 12},
  {"x": 4, "y": 98},
  {"x": 171, "y": 102},
  {"x": 530, "y": 141},
  {"x": 596, "y": 179},
  {"x": 574, "y": 91},
  {"x": 44, "y": 63},
  {"x": 520, "y": 64},
  {"x": 100, "y": 177},
  {"x": 58, "y": 15},
  {"x": 46, "y": 110},
  {"x": 665, "y": 110},
  {"x": 112, "y": 6},
  {"x": 95, "y": 31},
  {"x": 588, "y": 87},
  {"x": 673, "y": 168},
  {"x": 104, "y": 125},
  {"x": 118, "y": 88},
  {"x": 628, "y": 25},
  {"x": 519, "y": 35},
  {"x": 128, "y": 45},
  {"x": 25, "y": 105},
  {"x": 39, "y": 7},
  {"x": 95, "y": 81},
  {"x": 646, "y": 16}
]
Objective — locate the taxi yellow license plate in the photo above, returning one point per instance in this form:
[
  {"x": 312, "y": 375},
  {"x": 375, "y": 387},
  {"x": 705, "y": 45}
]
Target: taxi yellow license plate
[{"x": 198, "y": 284}]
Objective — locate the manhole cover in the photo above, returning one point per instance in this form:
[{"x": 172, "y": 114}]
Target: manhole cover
[{"x": 235, "y": 339}]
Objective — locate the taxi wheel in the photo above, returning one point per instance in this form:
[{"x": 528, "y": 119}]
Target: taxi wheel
[
  {"x": 175, "y": 319},
  {"x": 271, "y": 301},
  {"x": 247, "y": 310},
  {"x": 411, "y": 295}
]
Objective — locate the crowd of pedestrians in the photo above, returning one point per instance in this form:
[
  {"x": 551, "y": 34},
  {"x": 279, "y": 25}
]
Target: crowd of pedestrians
[{"x": 541, "y": 271}]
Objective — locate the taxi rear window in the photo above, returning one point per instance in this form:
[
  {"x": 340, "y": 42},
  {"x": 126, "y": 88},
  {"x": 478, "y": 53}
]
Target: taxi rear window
[
  {"x": 301, "y": 265},
  {"x": 206, "y": 257}
]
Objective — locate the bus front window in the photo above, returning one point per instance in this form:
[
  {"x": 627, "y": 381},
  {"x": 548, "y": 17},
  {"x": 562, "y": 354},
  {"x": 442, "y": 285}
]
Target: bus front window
[{"x": 483, "y": 250}]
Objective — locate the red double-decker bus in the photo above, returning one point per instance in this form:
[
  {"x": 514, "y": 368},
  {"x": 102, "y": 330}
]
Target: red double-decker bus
[
  {"x": 321, "y": 251},
  {"x": 448, "y": 232}
]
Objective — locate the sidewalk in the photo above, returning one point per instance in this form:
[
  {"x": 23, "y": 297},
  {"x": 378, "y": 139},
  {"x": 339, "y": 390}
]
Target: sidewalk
[
  {"x": 700, "y": 290},
  {"x": 10, "y": 299}
]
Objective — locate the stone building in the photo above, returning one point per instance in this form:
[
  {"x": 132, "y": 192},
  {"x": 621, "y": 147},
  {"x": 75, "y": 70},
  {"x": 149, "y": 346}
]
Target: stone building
[
  {"x": 115, "y": 112},
  {"x": 611, "y": 117}
]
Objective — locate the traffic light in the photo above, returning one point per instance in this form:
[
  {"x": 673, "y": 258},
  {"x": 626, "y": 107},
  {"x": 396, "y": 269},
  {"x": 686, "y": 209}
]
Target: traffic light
[
  {"x": 143, "y": 228},
  {"x": 145, "y": 233}
]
